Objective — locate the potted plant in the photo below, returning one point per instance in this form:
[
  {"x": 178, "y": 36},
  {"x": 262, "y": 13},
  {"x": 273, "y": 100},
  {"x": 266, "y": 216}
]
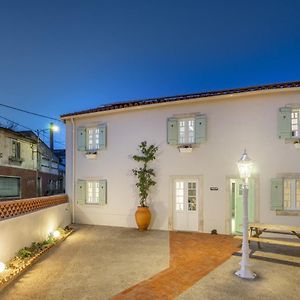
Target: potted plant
[{"x": 145, "y": 179}]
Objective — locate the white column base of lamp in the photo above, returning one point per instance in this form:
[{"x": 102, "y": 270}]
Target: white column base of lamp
[{"x": 245, "y": 273}]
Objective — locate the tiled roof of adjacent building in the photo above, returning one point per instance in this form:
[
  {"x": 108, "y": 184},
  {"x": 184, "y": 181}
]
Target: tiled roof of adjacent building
[{"x": 144, "y": 102}]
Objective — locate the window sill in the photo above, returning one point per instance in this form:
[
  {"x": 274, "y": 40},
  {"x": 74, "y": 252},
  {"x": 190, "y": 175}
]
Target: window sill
[
  {"x": 185, "y": 148},
  {"x": 292, "y": 213},
  {"x": 91, "y": 155}
]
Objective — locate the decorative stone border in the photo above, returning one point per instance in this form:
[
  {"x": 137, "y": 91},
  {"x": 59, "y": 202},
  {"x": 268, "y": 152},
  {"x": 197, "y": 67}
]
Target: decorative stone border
[
  {"x": 14, "y": 208},
  {"x": 11, "y": 275}
]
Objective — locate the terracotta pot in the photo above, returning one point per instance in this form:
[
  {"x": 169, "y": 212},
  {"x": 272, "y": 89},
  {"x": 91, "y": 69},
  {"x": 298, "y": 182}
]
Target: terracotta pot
[{"x": 142, "y": 217}]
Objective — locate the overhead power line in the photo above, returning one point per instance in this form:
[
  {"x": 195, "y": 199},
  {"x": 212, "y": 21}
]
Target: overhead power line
[
  {"x": 29, "y": 112},
  {"x": 8, "y": 120},
  {"x": 18, "y": 124}
]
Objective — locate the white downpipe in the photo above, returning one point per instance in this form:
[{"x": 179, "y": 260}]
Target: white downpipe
[{"x": 73, "y": 170}]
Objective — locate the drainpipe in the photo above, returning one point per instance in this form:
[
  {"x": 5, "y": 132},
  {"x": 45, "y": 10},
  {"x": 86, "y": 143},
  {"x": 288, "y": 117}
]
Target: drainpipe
[{"x": 73, "y": 170}]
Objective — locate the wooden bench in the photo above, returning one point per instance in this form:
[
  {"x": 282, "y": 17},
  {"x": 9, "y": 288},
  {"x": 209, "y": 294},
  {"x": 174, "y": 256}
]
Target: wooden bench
[{"x": 257, "y": 229}]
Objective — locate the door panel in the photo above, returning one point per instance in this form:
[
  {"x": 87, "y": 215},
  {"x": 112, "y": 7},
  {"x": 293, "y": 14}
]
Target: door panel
[{"x": 185, "y": 214}]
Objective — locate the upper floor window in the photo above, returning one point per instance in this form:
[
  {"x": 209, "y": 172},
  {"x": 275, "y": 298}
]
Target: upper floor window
[
  {"x": 93, "y": 138},
  {"x": 16, "y": 149},
  {"x": 289, "y": 123},
  {"x": 186, "y": 131},
  {"x": 295, "y": 122}
]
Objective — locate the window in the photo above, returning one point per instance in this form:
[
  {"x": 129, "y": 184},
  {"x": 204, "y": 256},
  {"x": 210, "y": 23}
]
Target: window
[
  {"x": 186, "y": 132},
  {"x": 192, "y": 196},
  {"x": 92, "y": 191},
  {"x": 179, "y": 196},
  {"x": 295, "y": 122},
  {"x": 16, "y": 149},
  {"x": 291, "y": 194},
  {"x": 9, "y": 187},
  {"x": 186, "y": 196},
  {"x": 93, "y": 138}
]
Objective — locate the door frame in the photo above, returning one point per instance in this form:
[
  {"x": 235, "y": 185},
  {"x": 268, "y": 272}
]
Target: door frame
[
  {"x": 172, "y": 180},
  {"x": 228, "y": 204}
]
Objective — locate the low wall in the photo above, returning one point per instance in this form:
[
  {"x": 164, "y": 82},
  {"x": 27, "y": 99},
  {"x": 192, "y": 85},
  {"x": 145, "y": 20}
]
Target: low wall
[{"x": 32, "y": 225}]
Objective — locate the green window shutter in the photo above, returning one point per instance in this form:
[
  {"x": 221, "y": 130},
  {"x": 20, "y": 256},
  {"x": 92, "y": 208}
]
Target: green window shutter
[
  {"x": 172, "y": 131},
  {"x": 277, "y": 194},
  {"x": 102, "y": 136},
  {"x": 284, "y": 123},
  {"x": 81, "y": 192},
  {"x": 200, "y": 129},
  {"x": 81, "y": 139},
  {"x": 102, "y": 192}
]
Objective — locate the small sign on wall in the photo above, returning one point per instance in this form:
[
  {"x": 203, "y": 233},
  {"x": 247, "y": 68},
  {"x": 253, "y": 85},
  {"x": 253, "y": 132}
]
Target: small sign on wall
[{"x": 214, "y": 188}]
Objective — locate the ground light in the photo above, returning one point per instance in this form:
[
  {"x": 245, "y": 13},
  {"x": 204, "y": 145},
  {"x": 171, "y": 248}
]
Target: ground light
[
  {"x": 2, "y": 267},
  {"x": 245, "y": 166},
  {"x": 56, "y": 234}
]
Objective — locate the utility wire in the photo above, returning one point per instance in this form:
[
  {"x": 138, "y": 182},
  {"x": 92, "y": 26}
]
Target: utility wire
[
  {"x": 29, "y": 112},
  {"x": 18, "y": 124}
]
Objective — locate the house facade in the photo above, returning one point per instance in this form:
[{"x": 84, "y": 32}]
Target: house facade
[
  {"x": 26, "y": 172},
  {"x": 200, "y": 139}
]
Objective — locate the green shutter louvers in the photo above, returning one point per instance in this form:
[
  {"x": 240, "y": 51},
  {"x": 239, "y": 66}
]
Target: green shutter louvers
[
  {"x": 102, "y": 136},
  {"x": 284, "y": 123},
  {"x": 200, "y": 129},
  {"x": 81, "y": 192},
  {"x": 172, "y": 131},
  {"x": 102, "y": 192},
  {"x": 277, "y": 194},
  {"x": 81, "y": 139}
]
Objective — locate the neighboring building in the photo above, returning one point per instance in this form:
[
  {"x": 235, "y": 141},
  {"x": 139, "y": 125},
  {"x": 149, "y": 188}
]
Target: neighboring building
[
  {"x": 49, "y": 176},
  {"x": 200, "y": 138},
  {"x": 17, "y": 165},
  {"x": 61, "y": 155},
  {"x": 21, "y": 167}
]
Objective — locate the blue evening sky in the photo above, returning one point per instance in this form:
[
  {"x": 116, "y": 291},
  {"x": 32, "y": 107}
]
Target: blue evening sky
[{"x": 61, "y": 56}]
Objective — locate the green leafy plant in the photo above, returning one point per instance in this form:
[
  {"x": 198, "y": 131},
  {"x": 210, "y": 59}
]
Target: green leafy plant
[
  {"x": 24, "y": 253},
  {"x": 145, "y": 175}
]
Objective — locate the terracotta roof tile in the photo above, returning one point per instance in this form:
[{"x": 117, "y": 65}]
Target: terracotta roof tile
[{"x": 119, "y": 105}]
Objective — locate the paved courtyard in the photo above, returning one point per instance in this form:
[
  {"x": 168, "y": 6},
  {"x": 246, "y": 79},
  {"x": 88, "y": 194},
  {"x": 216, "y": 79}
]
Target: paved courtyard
[{"x": 98, "y": 262}]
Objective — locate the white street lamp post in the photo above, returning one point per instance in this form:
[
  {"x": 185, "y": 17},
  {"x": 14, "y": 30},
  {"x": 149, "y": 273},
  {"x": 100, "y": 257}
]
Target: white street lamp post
[{"x": 245, "y": 166}]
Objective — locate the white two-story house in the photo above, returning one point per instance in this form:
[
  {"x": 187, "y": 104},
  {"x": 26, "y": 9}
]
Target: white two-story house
[{"x": 200, "y": 138}]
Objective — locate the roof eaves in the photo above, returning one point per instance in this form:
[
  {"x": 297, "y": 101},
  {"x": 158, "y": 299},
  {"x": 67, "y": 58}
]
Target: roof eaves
[{"x": 150, "y": 101}]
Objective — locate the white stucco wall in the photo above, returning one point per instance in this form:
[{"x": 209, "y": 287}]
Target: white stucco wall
[
  {"x": 21, "y": 231},
  {"x": 233, "y": 123}
]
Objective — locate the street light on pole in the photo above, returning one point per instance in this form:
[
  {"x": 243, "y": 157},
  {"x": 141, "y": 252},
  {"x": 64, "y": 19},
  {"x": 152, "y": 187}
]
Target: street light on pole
[
  {"x": 245, "y": 166},
  {"x": 53, "y": 128}
]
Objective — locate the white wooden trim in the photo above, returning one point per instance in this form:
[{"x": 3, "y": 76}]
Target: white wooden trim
[{"x": 200, "y": 193}]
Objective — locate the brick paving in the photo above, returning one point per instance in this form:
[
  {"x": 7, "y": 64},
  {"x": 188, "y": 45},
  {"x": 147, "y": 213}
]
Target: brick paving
[{"x": 192, "y": 256}]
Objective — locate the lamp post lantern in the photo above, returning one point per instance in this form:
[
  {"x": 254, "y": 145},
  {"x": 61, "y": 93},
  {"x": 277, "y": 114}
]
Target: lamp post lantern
[{"x": 245, "y": 166}]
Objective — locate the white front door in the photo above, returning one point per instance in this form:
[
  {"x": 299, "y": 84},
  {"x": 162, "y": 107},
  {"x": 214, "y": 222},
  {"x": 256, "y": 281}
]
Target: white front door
[{"x": 185, "y": 214}]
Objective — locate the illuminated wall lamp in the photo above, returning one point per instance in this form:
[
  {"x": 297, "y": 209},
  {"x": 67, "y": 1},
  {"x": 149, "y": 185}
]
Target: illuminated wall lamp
[{"x": 2, "y": 267}]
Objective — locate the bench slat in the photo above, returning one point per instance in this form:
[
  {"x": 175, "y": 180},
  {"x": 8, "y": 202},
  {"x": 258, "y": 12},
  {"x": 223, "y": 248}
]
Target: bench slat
[
  {"x": 275, "y": 227},
  {"x": 270, "y": 241}
]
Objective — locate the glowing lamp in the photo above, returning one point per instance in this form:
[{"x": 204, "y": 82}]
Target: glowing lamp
[
  {"x": 2, "y": 267},
  {"x": 245, "y": 166},
  {"x": 56, "y": 234},
  {"x": 54, "y": 128}
]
